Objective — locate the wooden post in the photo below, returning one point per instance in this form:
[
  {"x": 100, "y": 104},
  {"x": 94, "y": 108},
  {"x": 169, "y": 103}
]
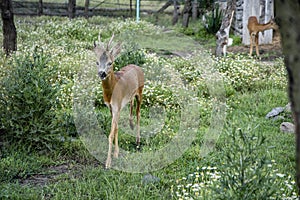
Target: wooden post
[
  {"x": 86, "y": 8},
  {"x": 40, "y": 8},
  {"x": 130, "y": 7},
  {"x": 72, "y": 9}
]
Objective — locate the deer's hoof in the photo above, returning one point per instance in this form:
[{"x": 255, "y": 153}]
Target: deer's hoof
[
  {"x": 131, "y": 125},
  {"x": 138, "y": 147},
  {"x": 108, "y": 163},
  {"x": 116, "y": 154}
]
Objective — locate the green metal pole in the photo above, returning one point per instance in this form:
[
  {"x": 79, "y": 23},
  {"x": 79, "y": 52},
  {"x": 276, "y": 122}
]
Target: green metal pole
[{"x": 137, "y": 10}]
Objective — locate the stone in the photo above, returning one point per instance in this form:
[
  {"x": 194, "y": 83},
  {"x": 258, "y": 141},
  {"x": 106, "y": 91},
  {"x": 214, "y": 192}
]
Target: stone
[
  {"x": 278, "y": 118},
  {"x": 287, "y": 127},
  {"x": 274, "y": 112},
  {"x": 148, "y": 178},
  {"x": 288, "y": 108}
]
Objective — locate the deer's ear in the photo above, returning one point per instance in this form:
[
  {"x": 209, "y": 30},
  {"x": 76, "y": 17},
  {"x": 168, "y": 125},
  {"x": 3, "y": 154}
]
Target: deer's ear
[
  {"x": 116, "y": 49},
  {"x": 273, "y": 19},
  {"x": 98, "y": 50}
]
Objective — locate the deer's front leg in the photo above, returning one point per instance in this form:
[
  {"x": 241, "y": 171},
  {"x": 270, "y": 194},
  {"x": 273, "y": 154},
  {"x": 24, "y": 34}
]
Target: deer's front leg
[
  {"x": 113, "y": 135},
  {"x": 110, "y": 141},
  {"x": 116, "y": 152},
  {"x": 116, "y": 116}
]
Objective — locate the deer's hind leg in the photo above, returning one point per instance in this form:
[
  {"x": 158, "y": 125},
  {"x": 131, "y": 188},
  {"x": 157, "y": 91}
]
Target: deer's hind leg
[
  {"x": 252, "y": 35},
  {"x": 138, "y": 114},
  {"x": 256, "y": 44},
  {"x": 130, "y": 115}
]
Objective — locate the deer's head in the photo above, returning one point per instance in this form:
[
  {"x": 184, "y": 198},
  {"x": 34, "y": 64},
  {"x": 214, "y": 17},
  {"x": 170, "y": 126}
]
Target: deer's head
[
  {"x": 105, "y": 55},
  {"x": 273, "y": 24}
]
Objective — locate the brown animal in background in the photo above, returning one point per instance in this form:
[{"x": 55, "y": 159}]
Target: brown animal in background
[
  {"x": 254, "y": 28},
  {"x": 119, "y": 88}
]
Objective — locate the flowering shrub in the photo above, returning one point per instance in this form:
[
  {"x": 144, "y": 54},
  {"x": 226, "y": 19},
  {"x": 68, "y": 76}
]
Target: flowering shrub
[
  {"x": 28, "y": 101},
  {"x": 243, "y": 74},
  {"x": 204, "y": 183},
  {"x": 196, "y": 185},
  {"x": 241, "y": 175},
  {"x": 129, "y": 26},
  {"x": 67, "y": 45},
  {"x": 66, "y": 40}
]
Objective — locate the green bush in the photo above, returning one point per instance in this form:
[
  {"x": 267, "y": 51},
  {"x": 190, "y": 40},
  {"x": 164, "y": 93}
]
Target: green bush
[
  {"x": 17, "y": 165},
  {"x": 214, "y": 21},
  {"x": 245, "y": 174},
  {"x": 74, "y": 30},
  {"x": 136, "y": 57},
  {"x": 241, "y": 173},
  {"x": 28, "y": 100},
  {"x": 237, "y": 40}
]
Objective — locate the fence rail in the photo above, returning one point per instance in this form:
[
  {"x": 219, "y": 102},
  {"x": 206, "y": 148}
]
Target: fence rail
[{"x": 103, "y": 8}]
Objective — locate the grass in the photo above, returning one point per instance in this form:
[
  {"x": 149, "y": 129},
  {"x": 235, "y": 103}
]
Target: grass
[
  {"x": 248, "y": 145},
  {"x": 248, "y": 119}
]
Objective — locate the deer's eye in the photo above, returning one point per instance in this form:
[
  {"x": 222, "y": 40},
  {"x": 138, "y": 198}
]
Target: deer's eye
[
  {"x": 109, "y": 64},
  {"x": 97, "y": 63}
]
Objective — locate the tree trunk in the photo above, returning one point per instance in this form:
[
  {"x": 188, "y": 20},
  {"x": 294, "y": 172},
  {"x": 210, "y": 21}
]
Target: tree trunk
[
  {"x": 223, "y": 34},
  {"x": 165, "y": 6},
  {"x": 8, "y": 26},
  {"x": 86, "y": 8},
  {"x": 72, "y": 9},
  {"x": 195, "y": 8},
  {"x": 288, "y": 18},
  {"x": 40, "y": 8},
  {"x": 187, "y": 10},
  {"x": 175, "y": 12}
]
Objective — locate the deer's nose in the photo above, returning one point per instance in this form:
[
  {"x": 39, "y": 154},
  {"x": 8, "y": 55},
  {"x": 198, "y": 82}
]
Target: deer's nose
[{"x": 102, "y": 75}]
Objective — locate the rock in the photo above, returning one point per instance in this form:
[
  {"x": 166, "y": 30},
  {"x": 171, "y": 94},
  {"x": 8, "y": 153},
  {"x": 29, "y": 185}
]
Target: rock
[
  {"x": 287, "y": 127},
  {"x": 148, "y": 178},
  {"x": 277, "y": 118},
  {"x": 288, "y": 108},
  {"x": 274, "y": 112}
]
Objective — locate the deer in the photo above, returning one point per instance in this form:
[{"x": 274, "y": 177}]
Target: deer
[
  {"x": 254, "y": 28},
  {"x": 119, "y": 88}
]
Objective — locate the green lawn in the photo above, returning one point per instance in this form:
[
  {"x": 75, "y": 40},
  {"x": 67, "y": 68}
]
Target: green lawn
[{"x": 218, "y": 102}]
